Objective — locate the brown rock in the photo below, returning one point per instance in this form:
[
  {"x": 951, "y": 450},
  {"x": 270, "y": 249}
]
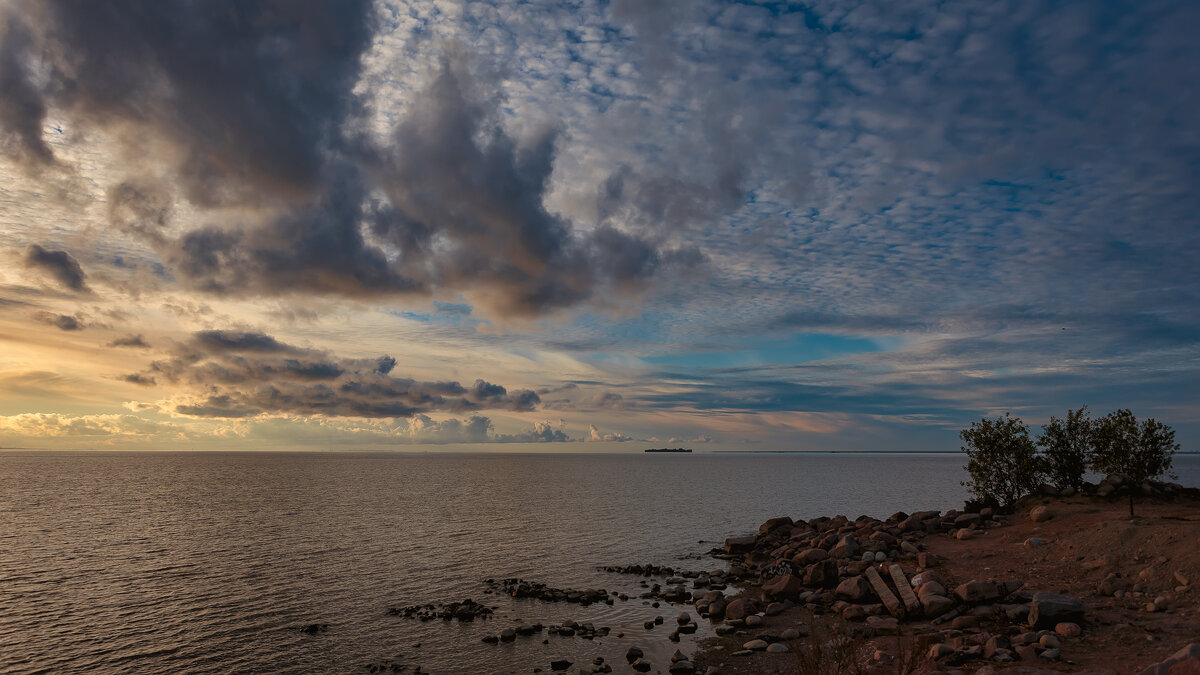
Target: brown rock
[
  {"x": 740, "y": 608},
  {"x": 974, "y": 592},
  {"x": 783, "y": 586},
  {"x": 1186, "y": 661},
  {"x": 739, "y": 544},
  {"x": 823, "y": 574},
  {"x": 855, "y": 589},
  {"x": 810, "y": 556},
  {"x": 774, "y": 523},
  {"x": 1040, "y": 514},
  {"x": 936, "y": 605}
]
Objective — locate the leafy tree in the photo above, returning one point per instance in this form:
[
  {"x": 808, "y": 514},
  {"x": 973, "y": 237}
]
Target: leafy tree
[
  {"x": 1003, "y": 462},
  {"x": 1067, "y": 448},
  {"x": 1138, "y": 452}
]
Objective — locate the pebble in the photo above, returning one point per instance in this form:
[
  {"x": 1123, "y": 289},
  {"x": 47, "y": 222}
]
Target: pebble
[{"x": 1068, "y": 630}]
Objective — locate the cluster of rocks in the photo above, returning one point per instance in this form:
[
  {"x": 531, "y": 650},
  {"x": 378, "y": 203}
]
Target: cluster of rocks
[
  {"x": 1117, "y": 485},
  {"x": 645, "y": 570},
  {"x": 520, "y": 588},
  {"x": 854, "y": 571},
  {"x": 568, "y": 628},
  {"x": 467, "y": 610}
]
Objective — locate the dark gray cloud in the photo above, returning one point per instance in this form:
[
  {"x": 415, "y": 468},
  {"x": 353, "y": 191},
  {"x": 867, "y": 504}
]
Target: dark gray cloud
[
  {"x": 257, "y": 100},
  {"x": 59, "y": 264},
  {"x": 243, "y": 374},
  {"x": 136, "y": 341},
  {"x": 61, "y": 321},
  {"x": 253, "y": 93},
  {"x": 138, "y": 379}
]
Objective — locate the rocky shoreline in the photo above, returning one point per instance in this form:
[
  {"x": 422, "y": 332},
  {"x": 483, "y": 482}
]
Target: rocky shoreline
[
  {"x": 1064, "y": 582},
  {"x": 932, "y": 592}
]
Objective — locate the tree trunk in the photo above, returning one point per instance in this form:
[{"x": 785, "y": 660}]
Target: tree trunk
[{"x": 1131, "y": 503}]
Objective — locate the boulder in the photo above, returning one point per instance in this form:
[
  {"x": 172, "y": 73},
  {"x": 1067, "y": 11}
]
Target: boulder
[
  {"x": 1040, "y": 514},
  {"x": 936, "y": 605},
  {"x": 823, "y": 574},
  {"x": 975, "y": 592},
  {"x": 774, "y": 523},
  {"x": 740, "y": 608},
  {"x": 739, "y": 544},
  {"x": 1050, "y": 609},
  {"x": 855, "y": 589},
  {"x": 1186, "y": 661},
  {"x": 846, "y": 547},
  {"x": 783, "y": 586},
  {"x": 931, "y": 588},
  {"x": 810, "y": 556}
]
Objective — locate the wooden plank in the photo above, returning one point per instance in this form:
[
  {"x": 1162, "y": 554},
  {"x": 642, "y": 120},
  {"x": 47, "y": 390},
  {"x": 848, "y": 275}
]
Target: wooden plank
[
  {"x": 885, "y": 594},
  {"x": 905, "y": 589}
]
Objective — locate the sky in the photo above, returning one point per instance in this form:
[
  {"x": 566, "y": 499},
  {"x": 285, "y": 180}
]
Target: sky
[{"x": 593, "y": 226}]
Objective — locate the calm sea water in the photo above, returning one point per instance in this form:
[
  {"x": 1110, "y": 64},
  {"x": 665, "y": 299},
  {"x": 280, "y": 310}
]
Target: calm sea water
[{"x": 169, "y": 562}]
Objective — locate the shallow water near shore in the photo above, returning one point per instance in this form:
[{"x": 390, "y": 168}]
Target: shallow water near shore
[{"x": 153, "y": 562}]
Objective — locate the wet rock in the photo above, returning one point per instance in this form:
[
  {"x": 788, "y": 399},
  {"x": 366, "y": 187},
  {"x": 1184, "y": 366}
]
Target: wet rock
[
  {"x": 775, "y": 609},
  {"x": 753, "y": 621},
  {"x": 508, "y": 635},
  {"x": 777, "y": 648},
  {"x": 790, "y": 634},
  {"x": 755, "y": 645},
  {"x": 641, "y": 665},
  {"x": 682, "y": 668},
  {"x": 633, "y": 654},
  {"x": 560, "y": 664},
  {"x": 1048, "y": 609},
  {"x": 740, "y": 608},
  {"x": 739, "y": 544},
  {"x": 774, "y": 523}
]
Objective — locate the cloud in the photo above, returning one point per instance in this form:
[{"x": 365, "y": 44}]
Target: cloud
[
  {"x": 135, "y": 341},
  {"x": 60, "y": 265},
  {"x": 139, "y": 379},
  {"x": 41, "y": 425},
  {"x": 237, "y": 374},
  {"x": 595, "y": 435},
  {"x": 61, "y": 321}
]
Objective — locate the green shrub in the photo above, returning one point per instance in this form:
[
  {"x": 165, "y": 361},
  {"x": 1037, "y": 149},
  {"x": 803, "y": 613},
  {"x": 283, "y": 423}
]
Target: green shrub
[
  {"x": 1003, "y": 462},
  {"x": 1067, "y": 448},
  {"x": 1138, "y": 452}
]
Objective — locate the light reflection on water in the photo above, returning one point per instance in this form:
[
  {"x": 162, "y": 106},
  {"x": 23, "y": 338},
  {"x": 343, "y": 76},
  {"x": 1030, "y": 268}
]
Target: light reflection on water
[{"x": 132, "y": 562}]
